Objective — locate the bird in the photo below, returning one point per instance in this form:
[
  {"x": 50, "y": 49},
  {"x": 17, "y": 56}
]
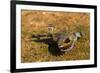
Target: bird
[{"x": 59, "y": 43}]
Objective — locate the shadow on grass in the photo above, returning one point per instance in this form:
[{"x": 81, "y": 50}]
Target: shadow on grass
[{"x": 53, "y": 47}]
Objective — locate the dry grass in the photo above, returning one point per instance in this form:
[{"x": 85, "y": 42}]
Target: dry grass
[{"x": 35, "y": 22}]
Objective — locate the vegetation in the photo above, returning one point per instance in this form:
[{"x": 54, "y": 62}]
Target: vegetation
[{"x": 36, "y": 22}]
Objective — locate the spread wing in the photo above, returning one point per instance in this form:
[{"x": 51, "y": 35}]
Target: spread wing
[
  {"x": 64, "y": 43},
  {"x": 40, "y": 36},
  {"x": 45, "y": 41},
  {"x": 45, "y": 38}
]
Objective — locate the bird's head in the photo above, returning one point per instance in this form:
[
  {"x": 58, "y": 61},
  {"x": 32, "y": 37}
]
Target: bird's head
[
  {"x": 78, "y": 35},
  {"x": 50, "y": 28}
]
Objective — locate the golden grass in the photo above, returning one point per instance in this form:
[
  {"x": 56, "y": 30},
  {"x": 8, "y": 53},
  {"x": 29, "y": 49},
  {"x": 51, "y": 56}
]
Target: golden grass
[{"x": 35, "y": 22}]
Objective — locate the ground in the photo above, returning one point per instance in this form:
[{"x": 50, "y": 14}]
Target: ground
[{"x": 35, "y": 22}]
